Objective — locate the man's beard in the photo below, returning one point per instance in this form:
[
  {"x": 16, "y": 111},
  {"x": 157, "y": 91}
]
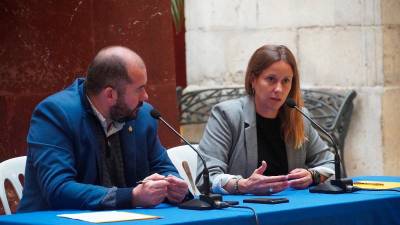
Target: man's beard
[{"x": 121, "y": 113}]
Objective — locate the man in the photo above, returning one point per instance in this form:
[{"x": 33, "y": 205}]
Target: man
[{"x": 90, "y": 144}]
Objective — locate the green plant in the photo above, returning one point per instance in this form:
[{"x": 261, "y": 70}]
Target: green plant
[{"x": 177, "y": 11}]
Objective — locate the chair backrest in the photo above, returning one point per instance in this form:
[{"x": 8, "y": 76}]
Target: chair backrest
[
  {"x": 185, "y": 153},
  {"x": 10, "y": 170}
]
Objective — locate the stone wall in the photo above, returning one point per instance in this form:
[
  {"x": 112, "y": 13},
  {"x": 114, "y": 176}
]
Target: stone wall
[{"x": 339, "y": 45}]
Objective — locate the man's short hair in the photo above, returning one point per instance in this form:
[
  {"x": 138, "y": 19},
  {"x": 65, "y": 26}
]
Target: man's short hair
[{"x": 106, "y": 71}]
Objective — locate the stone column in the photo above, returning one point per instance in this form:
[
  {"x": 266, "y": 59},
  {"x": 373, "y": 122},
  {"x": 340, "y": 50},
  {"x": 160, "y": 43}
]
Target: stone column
[{"x": 391, "y": 91}]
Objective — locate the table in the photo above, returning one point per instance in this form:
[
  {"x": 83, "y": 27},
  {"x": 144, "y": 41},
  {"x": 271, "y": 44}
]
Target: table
[{"x": 363, "y": 207}]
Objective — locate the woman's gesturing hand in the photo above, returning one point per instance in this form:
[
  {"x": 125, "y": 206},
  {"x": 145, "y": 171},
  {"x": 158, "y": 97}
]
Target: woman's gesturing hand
[
  {"x": 300, "y": 178},
  {"x": 259, "y": 184}
]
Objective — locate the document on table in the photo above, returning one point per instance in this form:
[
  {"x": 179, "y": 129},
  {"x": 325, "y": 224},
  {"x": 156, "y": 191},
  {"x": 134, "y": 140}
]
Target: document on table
[
  {"x": 108, "y": 216},
  {"x": 376, "y": 184}
]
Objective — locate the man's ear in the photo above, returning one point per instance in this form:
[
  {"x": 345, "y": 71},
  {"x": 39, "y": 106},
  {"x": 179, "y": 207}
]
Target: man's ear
[{"x": 110, "y": 95}]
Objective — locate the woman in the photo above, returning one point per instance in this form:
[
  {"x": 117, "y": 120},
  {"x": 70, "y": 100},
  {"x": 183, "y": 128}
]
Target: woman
[{"x": 258, "y": 145}]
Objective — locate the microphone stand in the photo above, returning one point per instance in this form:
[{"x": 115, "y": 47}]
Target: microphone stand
[
  {"x": 338, "y": 185},
  {"x": 206, "y": 200}
]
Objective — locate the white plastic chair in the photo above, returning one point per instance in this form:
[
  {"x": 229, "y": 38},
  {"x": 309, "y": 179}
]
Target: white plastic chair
[
  {"x": 185, "y": 153},
  {"x": 10, "y": 170}
]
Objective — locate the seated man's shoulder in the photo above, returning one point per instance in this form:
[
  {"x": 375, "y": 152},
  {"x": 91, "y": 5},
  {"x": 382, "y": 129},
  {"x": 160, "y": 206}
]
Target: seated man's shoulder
[
  {"x": 144, "y": 111},
  {"x": 67, "y": 100},
  {"x": 144, "y": 115}
]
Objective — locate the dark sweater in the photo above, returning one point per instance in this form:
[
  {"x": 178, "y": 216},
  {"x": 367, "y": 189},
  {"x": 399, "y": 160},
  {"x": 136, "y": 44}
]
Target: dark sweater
[{"x": 271, "y": 146}]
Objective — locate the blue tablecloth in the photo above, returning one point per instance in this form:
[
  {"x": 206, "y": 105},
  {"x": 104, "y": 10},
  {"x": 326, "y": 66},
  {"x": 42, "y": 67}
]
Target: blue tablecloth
[{"x": 363, "y": 207}]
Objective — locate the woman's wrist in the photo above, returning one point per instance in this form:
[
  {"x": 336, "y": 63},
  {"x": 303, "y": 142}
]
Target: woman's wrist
[
  {"x": 315, "y": 176},
  {"x": 242, "y": 186},
  {"x": 236, "y": 188}
]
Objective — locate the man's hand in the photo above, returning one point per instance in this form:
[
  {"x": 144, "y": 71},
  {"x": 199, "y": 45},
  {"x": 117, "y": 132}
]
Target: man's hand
[
  {"x": 151, "y": 192},
  {"x": 300, "y": 178},
  {"x": 177, "y": 189},
  {"x": 259, "y": 184}
]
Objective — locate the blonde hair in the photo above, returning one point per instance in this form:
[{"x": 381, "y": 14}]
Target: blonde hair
[{"x": 292, "y": 126}]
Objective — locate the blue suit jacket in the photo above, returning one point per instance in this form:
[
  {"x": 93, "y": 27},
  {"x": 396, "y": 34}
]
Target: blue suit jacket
[{"x": 62, "y": 169}]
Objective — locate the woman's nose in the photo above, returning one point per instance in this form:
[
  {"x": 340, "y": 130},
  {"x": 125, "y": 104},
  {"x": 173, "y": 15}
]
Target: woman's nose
[{"x": 278, "y": 87}]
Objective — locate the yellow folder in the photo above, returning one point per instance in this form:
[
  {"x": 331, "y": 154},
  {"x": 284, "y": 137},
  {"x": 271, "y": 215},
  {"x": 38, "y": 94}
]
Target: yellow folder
[{"x": 376, "y": 184}]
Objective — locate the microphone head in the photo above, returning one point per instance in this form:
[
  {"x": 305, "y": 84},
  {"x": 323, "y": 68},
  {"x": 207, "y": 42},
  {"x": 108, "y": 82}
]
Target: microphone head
[
  {"x": 291, "y": 103},
  {"x": 155, "y": 114}
]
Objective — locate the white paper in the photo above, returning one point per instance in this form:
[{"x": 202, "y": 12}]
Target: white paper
[{"x": 108, "y": 216}]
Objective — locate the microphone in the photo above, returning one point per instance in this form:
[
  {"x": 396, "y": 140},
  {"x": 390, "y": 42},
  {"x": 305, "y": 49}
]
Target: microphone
[
  {"x": 206, "y": 200},
  {"x": 338, "y": 185}
]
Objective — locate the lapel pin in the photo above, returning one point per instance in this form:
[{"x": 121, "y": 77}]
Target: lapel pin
[{"x": 130, "y": 129}]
